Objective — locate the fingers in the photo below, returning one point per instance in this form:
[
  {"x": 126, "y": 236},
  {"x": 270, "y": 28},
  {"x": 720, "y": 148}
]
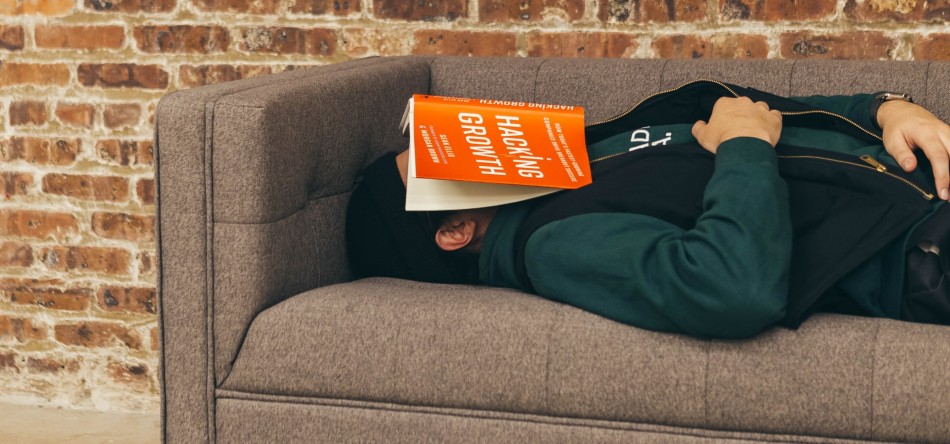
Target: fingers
[
  {"x": 939, "y": 158},
  {"x": 777, "y": 114},
  {"x": 897, "y": 147},
  {"x": 699, "y": 132},
  {"x": 698, "y": 128},
  {"x": 944, "y": 137}
]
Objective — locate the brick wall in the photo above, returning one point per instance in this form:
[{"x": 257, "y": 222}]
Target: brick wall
[{"x": 79, "y": 81}]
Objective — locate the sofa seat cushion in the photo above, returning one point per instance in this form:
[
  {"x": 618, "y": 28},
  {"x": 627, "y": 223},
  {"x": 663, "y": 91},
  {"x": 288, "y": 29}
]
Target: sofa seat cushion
[{"x": 483, "y": 348}]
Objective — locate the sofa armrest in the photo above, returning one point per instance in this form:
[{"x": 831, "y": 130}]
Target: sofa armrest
[{"x": 252, "y": 182}]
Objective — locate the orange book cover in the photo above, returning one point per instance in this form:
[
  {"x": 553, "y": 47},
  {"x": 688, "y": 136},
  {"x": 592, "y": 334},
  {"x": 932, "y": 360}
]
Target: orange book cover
[{"x": 499, "y": 141}]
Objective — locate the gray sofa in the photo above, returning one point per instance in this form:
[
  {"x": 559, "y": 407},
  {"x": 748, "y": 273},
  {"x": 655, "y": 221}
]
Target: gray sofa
[{"x": 266, "y": 339}]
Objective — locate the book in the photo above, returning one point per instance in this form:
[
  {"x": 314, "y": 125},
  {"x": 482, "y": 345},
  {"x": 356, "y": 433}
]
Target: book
[{"x": 474, "y": 153}]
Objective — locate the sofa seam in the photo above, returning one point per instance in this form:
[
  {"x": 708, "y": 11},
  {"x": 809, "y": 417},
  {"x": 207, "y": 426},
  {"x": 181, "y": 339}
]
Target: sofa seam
[
  {"x": 537, "y": 75},
  {"x": 307, "y": 203},
  {"x": 662, "y": 78},
  {"x": 547, "y": 357},
  {"x": 429, "y": 61},
  {"x": 791, "y": 78},
  {"x": 211, "y": 363},
  {"x": 440, "y": 410},
  {"x": 706, "y": 420},
  {"x": 927, "y": 82},
  {"x": 163, "y": 414}
]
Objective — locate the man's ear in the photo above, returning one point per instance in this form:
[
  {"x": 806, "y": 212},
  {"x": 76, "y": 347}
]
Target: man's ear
[{"x": 455, "y": 233}]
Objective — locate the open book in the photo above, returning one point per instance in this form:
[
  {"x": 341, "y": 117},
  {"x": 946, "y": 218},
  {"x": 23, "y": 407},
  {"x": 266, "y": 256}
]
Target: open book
[{"x": 474, "y": 153}]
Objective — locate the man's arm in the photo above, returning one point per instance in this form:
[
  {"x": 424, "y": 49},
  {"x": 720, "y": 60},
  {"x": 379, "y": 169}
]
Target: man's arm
[
  {"x": 903, "y": 126},
  {"x": 725, "y": 277}
]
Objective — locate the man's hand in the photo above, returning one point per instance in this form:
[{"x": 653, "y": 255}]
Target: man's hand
[
  {"x": 738, "y": 117},
  {"x": 907, "y": 126}
]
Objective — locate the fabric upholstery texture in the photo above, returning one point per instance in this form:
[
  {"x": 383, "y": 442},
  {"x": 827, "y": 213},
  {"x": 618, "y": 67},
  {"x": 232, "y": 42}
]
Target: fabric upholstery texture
[
  {"x": 260, "y": 328},
  {"x": 293, "y": 420}
]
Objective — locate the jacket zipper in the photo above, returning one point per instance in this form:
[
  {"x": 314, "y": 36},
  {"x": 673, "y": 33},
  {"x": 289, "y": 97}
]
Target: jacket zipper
[
  {"x": 874, "y": 164},
  {"x": 734, "y": 94}
]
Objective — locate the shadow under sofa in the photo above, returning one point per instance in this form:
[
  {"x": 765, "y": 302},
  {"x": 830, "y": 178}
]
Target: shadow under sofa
[{"x": 267, "y": 339}]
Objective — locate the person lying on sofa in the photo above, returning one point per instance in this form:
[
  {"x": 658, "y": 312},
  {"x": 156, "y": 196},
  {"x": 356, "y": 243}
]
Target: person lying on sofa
[{"x": 756, "y": 211}]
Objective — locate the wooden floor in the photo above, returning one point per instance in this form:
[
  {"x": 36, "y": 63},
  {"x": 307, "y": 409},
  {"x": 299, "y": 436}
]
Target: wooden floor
[{"x": 35, "y": 425}]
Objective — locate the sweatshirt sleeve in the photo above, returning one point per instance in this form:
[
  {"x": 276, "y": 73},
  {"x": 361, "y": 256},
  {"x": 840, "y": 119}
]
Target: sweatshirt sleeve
[
  {"x": 725, "y": 277},
  {"x": 857, "y": 108}
]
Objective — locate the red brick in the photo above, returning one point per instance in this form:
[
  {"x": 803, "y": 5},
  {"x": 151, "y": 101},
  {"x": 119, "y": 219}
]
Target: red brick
[
  {"x": 79, "y": 37},
  {"x": 146, "y": 263},
  {"x": 14, "y": 184},
  {"x": 200, "y": 75},
  {"x": 80, "y": 115},
  {"x": 37, "y": 74},
  {"x": 15, "y": 254},
  {"x": 40, "y": 151},
  {"x": 848, "y": 45},
  {"x": 8, "y": 360},
  {"x": 125, "y": 152},
  {"x": 182, "y": 39},
  {"x": 11, "y": 37},
  {"x": 117, "y": 75},
  {"x": 36, "y": 7},
  {"x": 252, "y": 7},
  {"x": 145, "y": 190},
  {"x": 429, "y": 11},
  {"x": 121, "y": 299},
  {"x": 38, "y": 224},
  {"x": 361, "y": 42},
  {"x": 122, "y": 115},
  {"x": 74, "y": 300},
  {"x": 719, "y": 47},
  {"x": 28, "y": 112},
  {"x": 106, "y": 188},
  {"x": 934, "y": 47},
  {"x": 527, "y": 10},
  {"x": 107, "y": 260},
  {"x": 8, "y": 283},
  {"x": 660, "y": 11},
  {"x": 156, "y": 338},
  {"x": 51, "y": 365},
  {"x": 439, "y": 42},
  {"x": 124, "y": 226},
  {"x": 898, "y": 10},
  {"x": 20, "y": 329},
  {"x": 131, "y": 6},
  {"x": 136, "y": 376},
  {"x": 574, "y": 44},
  {"x": 325, "y": 7},
  {"x": 320, "y": 42},
  {"x": 97, "y": 334},
  {"x": 776, "y": 10}
]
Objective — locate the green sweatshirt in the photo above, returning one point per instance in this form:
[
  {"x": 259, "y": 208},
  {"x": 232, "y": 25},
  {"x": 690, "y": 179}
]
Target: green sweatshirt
[{"x": 726, "y": 277}]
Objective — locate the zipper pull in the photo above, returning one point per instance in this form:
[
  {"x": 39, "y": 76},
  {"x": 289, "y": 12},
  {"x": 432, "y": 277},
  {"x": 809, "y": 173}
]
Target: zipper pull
[{"x": 874, "y": 163}]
